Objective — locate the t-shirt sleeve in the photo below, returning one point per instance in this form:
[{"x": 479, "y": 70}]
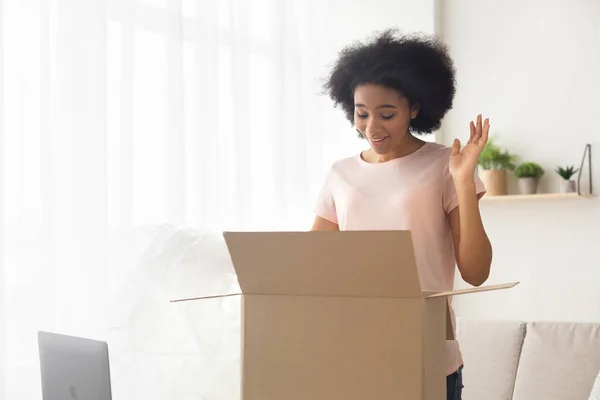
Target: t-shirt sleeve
[
  {"x": 325, "y": 204},
  {"x": 450, "y": 197}
]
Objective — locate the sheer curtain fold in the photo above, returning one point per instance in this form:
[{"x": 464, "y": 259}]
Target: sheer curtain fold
[
  {"x": 3, "y": 265},
  {"x": 121, "y": 114},
  {"x": 81, "y": 94},
  {"x": 176, "y": 200}
]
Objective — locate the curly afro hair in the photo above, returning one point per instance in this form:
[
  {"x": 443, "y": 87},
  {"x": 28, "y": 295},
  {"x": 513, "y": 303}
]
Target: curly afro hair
[{"x": 417, "y": 66}]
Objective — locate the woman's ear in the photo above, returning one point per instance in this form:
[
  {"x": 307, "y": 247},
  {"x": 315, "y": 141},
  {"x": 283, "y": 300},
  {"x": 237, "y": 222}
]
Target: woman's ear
[{"x": 414, "y": 111}]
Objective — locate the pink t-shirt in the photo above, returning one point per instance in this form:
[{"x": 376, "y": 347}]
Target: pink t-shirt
[{"x": 415, "y": 193}]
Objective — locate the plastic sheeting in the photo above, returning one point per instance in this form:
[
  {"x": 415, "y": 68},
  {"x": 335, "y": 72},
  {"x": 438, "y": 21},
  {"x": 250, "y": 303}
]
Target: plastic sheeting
[{"x": 189, "y": 350}]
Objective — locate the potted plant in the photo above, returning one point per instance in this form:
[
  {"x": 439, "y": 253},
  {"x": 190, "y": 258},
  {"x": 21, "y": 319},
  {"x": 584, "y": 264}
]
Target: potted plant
[
  {"x": 494, "y": 162},
  {"x": 529, "y": 174},
  {"x": 567, "y": 185}
]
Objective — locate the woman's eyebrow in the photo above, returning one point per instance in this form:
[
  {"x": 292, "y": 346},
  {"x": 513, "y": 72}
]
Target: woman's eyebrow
[{"x": 379, "y": 107}]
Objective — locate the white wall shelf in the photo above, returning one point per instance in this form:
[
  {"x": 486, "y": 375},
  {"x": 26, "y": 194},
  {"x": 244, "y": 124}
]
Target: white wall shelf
[
  {"x": 535, "y": 197},
  {"x": 587, "y": 154}
]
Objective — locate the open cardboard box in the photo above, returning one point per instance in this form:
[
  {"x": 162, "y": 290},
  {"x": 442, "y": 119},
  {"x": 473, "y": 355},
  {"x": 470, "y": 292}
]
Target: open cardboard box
[{"x": 338, "y": 316}]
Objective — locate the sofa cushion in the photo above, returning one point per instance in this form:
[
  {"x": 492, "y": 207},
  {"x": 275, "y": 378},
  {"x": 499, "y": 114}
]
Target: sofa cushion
[
  {"x": 490, "y": 352},
  {"x": 558, "y": 361}
]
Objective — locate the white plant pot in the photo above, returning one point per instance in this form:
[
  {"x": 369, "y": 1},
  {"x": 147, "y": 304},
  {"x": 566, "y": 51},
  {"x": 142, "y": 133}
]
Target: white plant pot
[
  {"x": 568, "y": 186},
  {"x": 528, "y": 185}
]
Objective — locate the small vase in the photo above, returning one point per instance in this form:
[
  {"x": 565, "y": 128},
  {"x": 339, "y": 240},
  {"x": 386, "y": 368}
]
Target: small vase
[
  {"x": 494, "y": 181},
  {"x": 528, "y": 185},
  {"x": 567, "y": 186}
]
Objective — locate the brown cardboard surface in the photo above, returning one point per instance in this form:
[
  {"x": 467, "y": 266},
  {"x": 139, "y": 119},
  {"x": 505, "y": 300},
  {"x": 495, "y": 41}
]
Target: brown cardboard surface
[
  {"x": 351, "y": 263},
  {"x": 338, "y": 316},
  {"x": 332, "y": 348},
  {"x": 435, "y": 335},
  {"x": 478, "y": 289}
]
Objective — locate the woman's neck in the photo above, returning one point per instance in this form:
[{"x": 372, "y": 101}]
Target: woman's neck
[{"x": 408, "y": 145}]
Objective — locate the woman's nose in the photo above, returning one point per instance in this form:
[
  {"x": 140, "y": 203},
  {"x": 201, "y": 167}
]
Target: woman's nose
[{"x": 373, "y": 126}]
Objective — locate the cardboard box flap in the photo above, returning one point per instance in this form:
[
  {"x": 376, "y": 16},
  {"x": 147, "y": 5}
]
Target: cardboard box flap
[
  {"x": 348, "y": 263},
  {"x": 488, "y": 288},
  {"x": 220, "y": 296}
]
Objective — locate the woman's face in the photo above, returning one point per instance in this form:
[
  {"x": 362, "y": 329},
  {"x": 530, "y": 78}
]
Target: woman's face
[{"x": 382, "y": 116}]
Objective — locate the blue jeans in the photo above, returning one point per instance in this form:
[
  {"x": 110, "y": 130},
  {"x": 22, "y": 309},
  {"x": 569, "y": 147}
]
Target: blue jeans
[{"x": 454, "y": 385}]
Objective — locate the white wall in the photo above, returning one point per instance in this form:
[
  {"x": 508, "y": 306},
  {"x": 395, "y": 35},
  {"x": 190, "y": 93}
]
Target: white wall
[{"x": 533, "y": 67}]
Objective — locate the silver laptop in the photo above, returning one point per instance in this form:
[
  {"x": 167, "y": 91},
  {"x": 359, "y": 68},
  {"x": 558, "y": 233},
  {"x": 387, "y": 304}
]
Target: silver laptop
[{"x": 73, "y": 368}]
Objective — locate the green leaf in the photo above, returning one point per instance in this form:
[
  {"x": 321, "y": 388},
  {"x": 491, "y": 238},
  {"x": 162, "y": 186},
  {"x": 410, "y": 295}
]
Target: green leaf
[
  {"x": 567, "y": 172},
  {"x": 494, "y": 157},
  {"x": 529, "y": 170}
]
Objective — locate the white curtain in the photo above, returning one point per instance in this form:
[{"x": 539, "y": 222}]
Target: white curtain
[{"x": 116, "y": 114}]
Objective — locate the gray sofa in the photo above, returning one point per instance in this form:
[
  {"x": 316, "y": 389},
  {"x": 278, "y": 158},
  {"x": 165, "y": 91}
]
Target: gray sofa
[{"x": 513, "y": 360}]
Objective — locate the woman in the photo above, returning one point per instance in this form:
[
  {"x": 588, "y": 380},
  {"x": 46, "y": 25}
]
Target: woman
[{"x": 392, "y": 88}]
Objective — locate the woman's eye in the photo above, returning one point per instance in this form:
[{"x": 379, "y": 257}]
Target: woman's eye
[
  {"x": 362, "y": 116},
  {"x": 389, "y": 116}
]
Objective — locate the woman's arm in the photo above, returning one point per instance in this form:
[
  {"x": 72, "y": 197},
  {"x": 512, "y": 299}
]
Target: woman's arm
[
  {"x": 472, "y": 247},
  {"x": 321, "y": 224}
]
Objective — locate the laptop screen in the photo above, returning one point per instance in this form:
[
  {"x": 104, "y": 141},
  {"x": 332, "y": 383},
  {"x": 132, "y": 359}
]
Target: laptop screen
[{"x": 73, "y": 368}]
